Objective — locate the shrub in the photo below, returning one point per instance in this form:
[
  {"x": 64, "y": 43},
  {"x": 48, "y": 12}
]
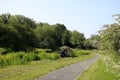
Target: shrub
[{"x": 66, "y": 52}]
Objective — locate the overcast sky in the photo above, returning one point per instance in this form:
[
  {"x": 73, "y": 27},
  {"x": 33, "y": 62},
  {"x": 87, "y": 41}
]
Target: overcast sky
[{"x": 85, "y": 16}]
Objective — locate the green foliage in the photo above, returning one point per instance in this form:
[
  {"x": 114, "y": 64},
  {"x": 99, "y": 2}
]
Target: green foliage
[
  {"x": 59, "y": 29},
  {"x": 16, "y": 32},
  {"x": 21, "y": 33},
  {"x": 17, "y": 58},
  {"x": 49, "y": 36},
  {"x": 110, "y": 37},
  {"x": 66, "y": 38},
  {"x": 77, "y": 39}
]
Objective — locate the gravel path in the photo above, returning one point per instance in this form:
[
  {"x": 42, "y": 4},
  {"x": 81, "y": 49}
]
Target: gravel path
[{"x": 70, "y": 72}]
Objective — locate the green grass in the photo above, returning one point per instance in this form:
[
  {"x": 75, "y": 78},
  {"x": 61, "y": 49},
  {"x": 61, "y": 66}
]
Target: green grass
[
  {"x": 37, "y": 68},
  {"x": 103, "y": 69}
]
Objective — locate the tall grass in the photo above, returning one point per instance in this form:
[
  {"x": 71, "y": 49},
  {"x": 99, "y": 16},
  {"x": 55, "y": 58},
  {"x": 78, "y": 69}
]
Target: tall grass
[
  {"x": 17, "y": 58},
  {"x": 81, "y": 52}
]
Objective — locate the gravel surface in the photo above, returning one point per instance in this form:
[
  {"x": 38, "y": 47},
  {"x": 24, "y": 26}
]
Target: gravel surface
[{"x": 71, "y": 72}]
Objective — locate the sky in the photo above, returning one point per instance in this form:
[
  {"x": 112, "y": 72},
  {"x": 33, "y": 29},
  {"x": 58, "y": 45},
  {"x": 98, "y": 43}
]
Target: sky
[{"x": 85, "y": 16}]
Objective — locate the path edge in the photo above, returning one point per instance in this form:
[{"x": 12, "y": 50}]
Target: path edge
[{"x": 88, "y": 67}]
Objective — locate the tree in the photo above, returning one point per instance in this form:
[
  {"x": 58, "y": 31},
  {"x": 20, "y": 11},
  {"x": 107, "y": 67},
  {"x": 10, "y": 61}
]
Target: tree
[
  {"x": 77, "y": 39},
  {"x": 49, "y": 36},
  {"x": 5, "y": 18},
  {"x": 15, "y": 34},
  {"x": 110, "y": 37},
  {"x": 59, "y": 30},
  {"x": 21, "y": 33},
  {"x": 66, "y": 38},
  {"x": 46, "y": 36}
]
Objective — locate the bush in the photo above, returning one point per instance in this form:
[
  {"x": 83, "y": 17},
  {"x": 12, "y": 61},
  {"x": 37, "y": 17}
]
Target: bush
[{"x": 66, "y": 52}]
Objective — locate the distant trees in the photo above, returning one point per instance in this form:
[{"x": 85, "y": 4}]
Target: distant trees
[{"x": 21, "y": 33}]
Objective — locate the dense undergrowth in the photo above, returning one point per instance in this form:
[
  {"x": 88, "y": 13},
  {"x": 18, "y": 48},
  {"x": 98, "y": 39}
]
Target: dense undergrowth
[{"x": 17, "y": 58}]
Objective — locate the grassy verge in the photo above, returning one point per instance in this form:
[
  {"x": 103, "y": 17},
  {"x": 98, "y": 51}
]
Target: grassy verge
[
  {"x": 37, "y": 68},
  {"x": 104, "y": 69}
]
